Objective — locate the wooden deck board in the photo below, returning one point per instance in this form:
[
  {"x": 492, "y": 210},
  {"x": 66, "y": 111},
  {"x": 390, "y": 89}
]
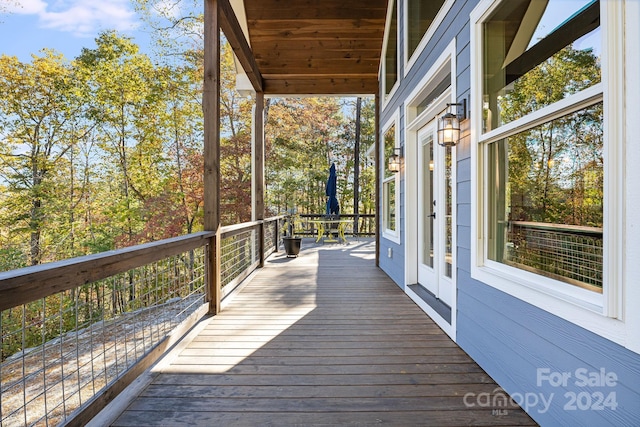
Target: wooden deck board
[
  {"x": 328, "y": 379},
  {"x": 176, "y": 418},
  {"x": 299, "y": 404},
  {"x": 323, "y": 339}
]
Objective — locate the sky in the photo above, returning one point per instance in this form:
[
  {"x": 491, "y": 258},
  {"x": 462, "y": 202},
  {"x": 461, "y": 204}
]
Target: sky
[
  {"x": 555, "y": 14},
  {"x": 27, "y": 26}
]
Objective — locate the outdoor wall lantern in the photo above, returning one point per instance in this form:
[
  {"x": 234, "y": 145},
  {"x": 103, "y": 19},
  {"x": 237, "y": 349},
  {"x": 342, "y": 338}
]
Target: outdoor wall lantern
[
  {"x": 394, "y": 160},
  {"x": 449, "y": 125}
]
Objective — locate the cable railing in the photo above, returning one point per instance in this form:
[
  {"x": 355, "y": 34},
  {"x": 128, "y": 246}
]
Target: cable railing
[
  {"x": 569, "y": 253},
  {"x": 363, "y": 224},
  {"x": 240, "y": 250},
  {"x": 77, "y": 332}
]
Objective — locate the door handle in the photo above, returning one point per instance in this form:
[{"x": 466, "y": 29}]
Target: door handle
[{"x": 432, "y": 215}]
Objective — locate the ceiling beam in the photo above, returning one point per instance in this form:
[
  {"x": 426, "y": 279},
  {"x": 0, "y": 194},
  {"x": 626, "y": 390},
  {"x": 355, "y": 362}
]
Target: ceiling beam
[
  {"x": 320, "y": 66},
  {"x": 311, "y": 33},
  {"x": 232, "y": 30},
  {"x": 348, "y": 25},
  {"x": 265, "y": 44},
  {"x": 314, "y": 85},
  {"x": 278, "y": 9},
  {"x": 319, "y": 10}
]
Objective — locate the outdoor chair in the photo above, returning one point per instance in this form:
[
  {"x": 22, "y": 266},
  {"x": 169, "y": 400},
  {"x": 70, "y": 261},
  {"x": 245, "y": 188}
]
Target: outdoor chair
[{"x": 332, "y": 229}]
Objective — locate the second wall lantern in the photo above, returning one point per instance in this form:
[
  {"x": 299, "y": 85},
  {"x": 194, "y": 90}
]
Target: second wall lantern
[
  {"x": 394, "y": 160},
  {"x": 449, "y": 125}
]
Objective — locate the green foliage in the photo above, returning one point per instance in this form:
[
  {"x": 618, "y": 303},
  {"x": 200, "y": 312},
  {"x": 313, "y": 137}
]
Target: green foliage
[
  {"x": 105, "y": 151},
  {"x": 303, "y": 137},
  {"x": 95, "y": 148},
  {"x": 42, "y": 117},
  {"x": 12, "y": 258},
  {"x": 556, "y": 169}
]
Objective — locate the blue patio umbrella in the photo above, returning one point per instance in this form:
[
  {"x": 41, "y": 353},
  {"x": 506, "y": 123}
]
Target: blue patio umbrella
[{"x": 333, "y": 208}]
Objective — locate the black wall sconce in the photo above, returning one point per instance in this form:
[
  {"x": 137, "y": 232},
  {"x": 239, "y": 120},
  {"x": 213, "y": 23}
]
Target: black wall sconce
[
  {"x": 394, "y": 160},
  {"x": 449, "y": 124}
]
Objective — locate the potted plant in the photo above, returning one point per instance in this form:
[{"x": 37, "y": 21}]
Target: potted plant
[{"x": 290, "y": 240}]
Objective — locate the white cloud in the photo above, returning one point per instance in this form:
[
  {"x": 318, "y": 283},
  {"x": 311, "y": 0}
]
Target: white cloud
[
  {"x": 24, "y": 7},
  {"x": 83, "y": 18}
]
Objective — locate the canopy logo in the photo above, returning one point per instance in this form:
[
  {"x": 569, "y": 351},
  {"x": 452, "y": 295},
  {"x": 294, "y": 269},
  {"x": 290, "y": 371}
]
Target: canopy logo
[
  {"x": 500, "y": 402},
  {"x": 584, "y": 390}
]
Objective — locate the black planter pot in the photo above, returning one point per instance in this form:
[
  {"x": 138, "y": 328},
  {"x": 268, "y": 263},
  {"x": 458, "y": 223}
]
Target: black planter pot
[{"x": 292, "y": 246}]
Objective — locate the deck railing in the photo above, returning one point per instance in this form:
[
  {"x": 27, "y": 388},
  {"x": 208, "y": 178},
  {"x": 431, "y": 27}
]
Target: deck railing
[
  {"x": 569, "y": 253},
  {"x": 363, "y": 224},
  {"x": 76, "y": 332}
]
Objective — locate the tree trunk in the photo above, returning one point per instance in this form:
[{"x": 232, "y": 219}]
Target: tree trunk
[
  {"x": 36, "y": 224},
  {"x": 356, "y": 169}
]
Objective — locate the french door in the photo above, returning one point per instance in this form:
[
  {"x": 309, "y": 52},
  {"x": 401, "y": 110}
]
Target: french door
[{"x": 435, "y": 220}]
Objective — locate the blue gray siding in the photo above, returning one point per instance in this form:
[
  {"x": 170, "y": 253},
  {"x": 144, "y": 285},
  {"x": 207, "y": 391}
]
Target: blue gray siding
[
  {"x": 513, "y": 340},
  {"x": 394, "y": 265}
]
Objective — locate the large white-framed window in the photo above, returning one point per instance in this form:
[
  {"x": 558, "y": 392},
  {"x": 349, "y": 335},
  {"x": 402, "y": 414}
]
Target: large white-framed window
[
  {"x": 390, "y": 181},
  {"x": 547, "y": 149},
  {"x": 421, "y": 19},
  {"x": 390, "y": 64}
]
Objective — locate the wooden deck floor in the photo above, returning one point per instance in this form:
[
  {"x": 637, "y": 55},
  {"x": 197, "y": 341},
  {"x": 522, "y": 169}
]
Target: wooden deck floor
[{"x": 323, "y": 339}]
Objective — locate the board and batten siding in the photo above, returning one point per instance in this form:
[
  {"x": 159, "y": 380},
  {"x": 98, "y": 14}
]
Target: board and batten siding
[{"x": 519, "y": 345}]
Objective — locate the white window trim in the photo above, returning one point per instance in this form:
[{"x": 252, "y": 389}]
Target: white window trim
[
  {"x": 392, "y": 235},
  {"x": 599, "y": 313},
  {"x": 631, "y": 214},
  {"x": 446, "y": 61},
  {"x": 409, "y": 61}
]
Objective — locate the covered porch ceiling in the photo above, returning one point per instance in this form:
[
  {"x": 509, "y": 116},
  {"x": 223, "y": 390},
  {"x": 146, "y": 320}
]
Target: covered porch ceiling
[{"x": 310, "y": 47}]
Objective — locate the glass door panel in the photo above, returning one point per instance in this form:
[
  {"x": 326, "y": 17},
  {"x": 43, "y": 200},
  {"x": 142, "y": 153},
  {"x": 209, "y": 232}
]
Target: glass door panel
[
  {"x": 436, "y": 222},
  {"x": 428, "y": 204}
]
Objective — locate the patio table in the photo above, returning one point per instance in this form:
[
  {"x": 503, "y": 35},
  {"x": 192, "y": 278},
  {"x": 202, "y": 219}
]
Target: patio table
[{"x": 326, "y": 226}]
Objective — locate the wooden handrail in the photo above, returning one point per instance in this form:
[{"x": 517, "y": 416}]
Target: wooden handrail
[
  {"x": 231, "y": 230},
  {"x": 347, "y": 215},
  {"x": 29, "y": 284},
  {"x": 273, "y": 218}
]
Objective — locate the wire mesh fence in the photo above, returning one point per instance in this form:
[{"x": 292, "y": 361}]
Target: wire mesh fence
[
  {"x": 59, "y": 351},
  {"x": 238, "y": 253},
  {"x": 271, "y": 236},
  {"x": 571, "y": 254}
]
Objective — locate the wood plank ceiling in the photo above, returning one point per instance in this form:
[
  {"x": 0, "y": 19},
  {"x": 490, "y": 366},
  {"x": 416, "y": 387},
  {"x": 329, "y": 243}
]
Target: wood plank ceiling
[{"x": 317, "y": 47}]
